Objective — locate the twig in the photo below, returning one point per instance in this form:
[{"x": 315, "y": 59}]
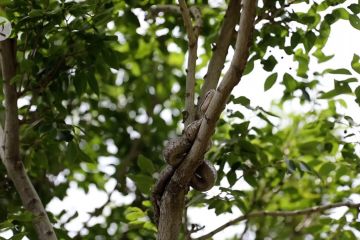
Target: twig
[
  {"x": 223, "y": 42},
  {"x": 185, "y": 12},
  {"x": 2, "y": 143},
  {"x": 189, "y": 114},
  {"x": 245, "y": 230},
  {"x": 169, "y": 9},
  {"x": 279, "y": 214},
  {"x": 128, "y": 160}
]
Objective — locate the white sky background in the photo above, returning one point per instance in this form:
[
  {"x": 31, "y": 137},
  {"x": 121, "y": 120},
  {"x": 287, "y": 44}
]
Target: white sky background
[{"x": 343, "y": 42}]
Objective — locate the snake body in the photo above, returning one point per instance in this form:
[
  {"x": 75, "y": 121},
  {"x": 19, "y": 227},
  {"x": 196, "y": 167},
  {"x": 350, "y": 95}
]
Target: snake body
[{"x": 176, "y": 150}]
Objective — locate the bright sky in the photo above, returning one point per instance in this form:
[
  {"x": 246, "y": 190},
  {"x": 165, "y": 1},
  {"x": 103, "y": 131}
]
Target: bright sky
[{"x": 343, "y": 42}]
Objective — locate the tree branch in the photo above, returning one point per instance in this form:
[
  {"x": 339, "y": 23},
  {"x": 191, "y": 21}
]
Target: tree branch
[
  {"x": 2, "y": 143},
  {"x": 11, "y": 147},
  {"x": 223, "y": 42},
  {"x": 128, "y": 160},
  {"x": 185, "y": 12},
  {"x": 171, "y": 9},
  {"x": 172, "y": 202},
  {"x": 279, "y": 214},
  {"x": 190, "y": 111}
]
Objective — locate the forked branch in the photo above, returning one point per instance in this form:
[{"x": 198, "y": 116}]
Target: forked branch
[
  {"x": 221, "y": 47},
  {"x": 172, "y": 201}
]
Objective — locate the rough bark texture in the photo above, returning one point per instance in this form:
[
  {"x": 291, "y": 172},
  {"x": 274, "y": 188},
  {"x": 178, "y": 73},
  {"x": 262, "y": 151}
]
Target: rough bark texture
[
  {"x": 223, "y": 42},
  {"x": 193, "y": 33},
  {"x": 172, "y": 201},
  {"x": 11, "y": 146}
]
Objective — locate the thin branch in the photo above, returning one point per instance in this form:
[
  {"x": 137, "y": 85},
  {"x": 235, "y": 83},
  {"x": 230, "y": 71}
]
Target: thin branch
[
  {"x": 128, "y": 160},
  {"x": 185, "y": 12},
  {"x": 316, "y": 209},
  {"x": 172, "y": 201},
  {"x": 193, "y": 31},
  {"x": 223, "y": 42},
  {"x": 244, "y": 231},
  {"x": 2, "y": 143},
  {"x": 171, "y": 9},
  {"x": 11, "y": 146},
  {"x": 189, "y": 115}
]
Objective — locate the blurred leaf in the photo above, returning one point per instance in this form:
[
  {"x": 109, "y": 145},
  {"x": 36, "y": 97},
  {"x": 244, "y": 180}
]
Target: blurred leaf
[
  {"x": 326, "y": 168},
  {"x": 145, "y": 164}
]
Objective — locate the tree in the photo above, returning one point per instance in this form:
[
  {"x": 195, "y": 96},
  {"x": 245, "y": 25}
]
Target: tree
[{"x": 93, "y": 90}]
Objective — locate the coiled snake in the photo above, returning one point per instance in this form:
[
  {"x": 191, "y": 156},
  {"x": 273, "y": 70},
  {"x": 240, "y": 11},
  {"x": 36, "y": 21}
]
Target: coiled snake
[{"x": 176, "y": 150}]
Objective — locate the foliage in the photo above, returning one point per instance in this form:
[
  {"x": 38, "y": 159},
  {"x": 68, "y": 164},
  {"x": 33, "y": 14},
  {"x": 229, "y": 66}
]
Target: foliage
[{"x": 101, "y": 90}]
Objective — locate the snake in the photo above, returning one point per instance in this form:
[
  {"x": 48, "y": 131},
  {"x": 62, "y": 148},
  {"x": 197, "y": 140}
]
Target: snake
[{"x": 177, "y": 148}]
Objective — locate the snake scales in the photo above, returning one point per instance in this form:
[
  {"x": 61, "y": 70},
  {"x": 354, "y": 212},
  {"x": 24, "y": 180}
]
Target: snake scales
[{"x": 176, "y": 150}]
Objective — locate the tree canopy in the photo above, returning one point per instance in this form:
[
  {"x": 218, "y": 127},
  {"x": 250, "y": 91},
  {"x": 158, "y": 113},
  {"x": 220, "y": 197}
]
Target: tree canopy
[{"x": 94, "y": 89}]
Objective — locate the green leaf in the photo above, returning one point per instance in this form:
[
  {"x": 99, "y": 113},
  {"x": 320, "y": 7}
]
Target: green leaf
[
  {"x": 357, "y": 92},
  {"x": 145, "y": 164},
  {"x": 36, "y": 13},
  {"x": 310, "y": 39},
  {"x": 80, "y": 82},
  {"x": 341, "y": 13},
  {"x": 143, "y": 182},
  {"x": 303, "y": 60},
  {"x": 355, "y": 8},
  {"x": 340, "y": 88},
  {"x": 355, "y": 21},
  {"x": 355, "y": 63},
  {"x": 326, "y": 169},
  {"x": 72, "y": 152},
  {"x": 295, "y": 39},
  {"x": 321, "y": 56},
  {"x": 249, "y": 67},
  {"x": 270, "y": 81},
  {"x": 250, "y": 179},
  {"x": 103, "y": 17},
  {"x": 269, "y": 63},
  {"x": 134, "y": 213},
  {"x": 93, "y": 84},
  {"x": 175, "y": 59},
  {"x": 5, "y": 225},
  {"x": 242, "y": 128},
  {"x": 237, "y": 114},
  {"x": 231, "y": 177},
  {"x": 41, "y": 159},
  {"x": 337, "y": 71},
  {"x": 290, "y": 165},
  {"x": 144, "y": 49},
  {"x": 242, "y": 100},
  {"x": 150, "y": 226},
  {"x": 289, "y": 82}
]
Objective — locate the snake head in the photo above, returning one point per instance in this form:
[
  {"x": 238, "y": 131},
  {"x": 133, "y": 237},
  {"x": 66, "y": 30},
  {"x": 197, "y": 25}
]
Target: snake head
[
  {"x": 192, "y": 129},
  {"x": 208, "y": 96}
]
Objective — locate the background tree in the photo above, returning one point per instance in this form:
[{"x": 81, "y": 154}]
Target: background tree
[{"x": 100, "y": 88}]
